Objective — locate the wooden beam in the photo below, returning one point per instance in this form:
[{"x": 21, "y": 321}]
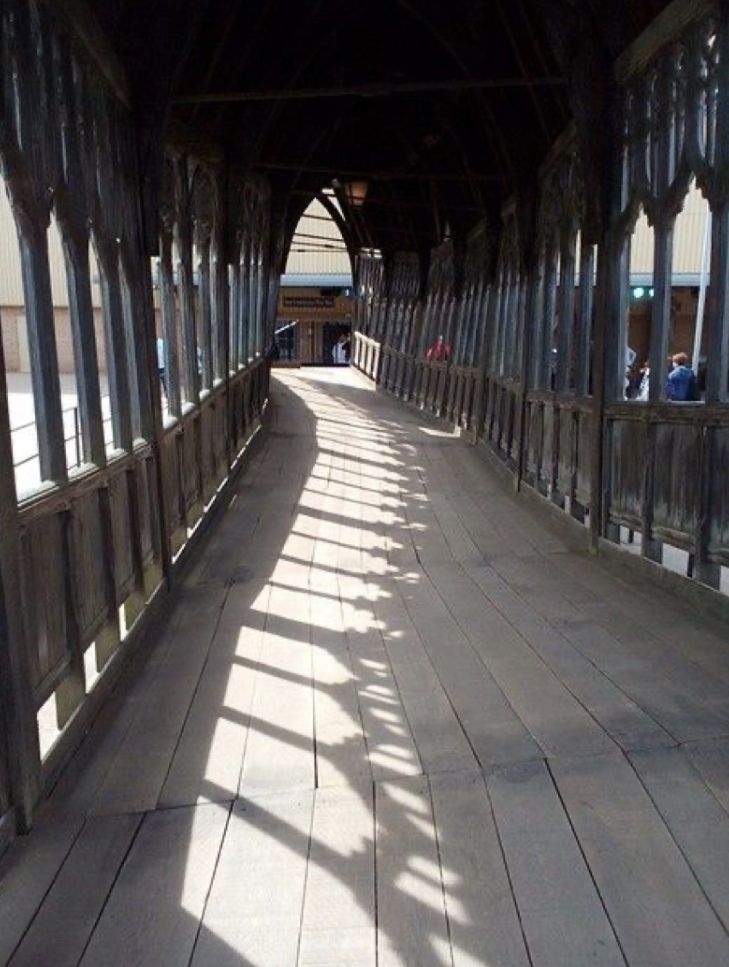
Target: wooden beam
[
  {"x": 381, "y": 89},
  {"x": 320, "y": 238},
  {"x": 83, "y": 23},
  {"x": 665, "y": 28},
  {"x": 382, "y": 203},
  {"x": 375, "y": 175}
]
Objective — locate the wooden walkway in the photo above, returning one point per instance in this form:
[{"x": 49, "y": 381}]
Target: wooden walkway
[{"x": 393, "y": 720}]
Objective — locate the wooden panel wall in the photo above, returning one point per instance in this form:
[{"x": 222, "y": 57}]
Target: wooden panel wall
[{"x": 82, "y": 556}]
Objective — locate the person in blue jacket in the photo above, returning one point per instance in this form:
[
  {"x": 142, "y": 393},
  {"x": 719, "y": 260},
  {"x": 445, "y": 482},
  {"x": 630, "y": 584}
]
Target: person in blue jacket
[{"x": 681, "y": 382}]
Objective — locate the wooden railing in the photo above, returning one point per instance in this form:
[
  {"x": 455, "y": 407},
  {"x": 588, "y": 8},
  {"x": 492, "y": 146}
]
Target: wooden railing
[
  {"x": 540, "y": 308},
  {"x": 92, "y": 563}
]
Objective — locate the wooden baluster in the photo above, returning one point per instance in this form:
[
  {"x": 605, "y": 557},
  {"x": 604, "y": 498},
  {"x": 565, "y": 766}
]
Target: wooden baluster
[
  {"x": 116, "y": 364},
  {"x": 183, "y": 228},
  {"x": 168, "y": 314}
]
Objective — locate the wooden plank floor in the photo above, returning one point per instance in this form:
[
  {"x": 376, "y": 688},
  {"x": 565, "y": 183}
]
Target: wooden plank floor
[{"x": 393, "y": 719}]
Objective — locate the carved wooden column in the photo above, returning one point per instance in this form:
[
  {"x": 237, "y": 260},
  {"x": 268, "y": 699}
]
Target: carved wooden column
[
  {"x": 583, "y": 338},
  {"x": 168, "y": 308},
  {"x": 107, "y": 250},
  {"x": 183, "y": 235},
  {"x": 202, "y": 214}
]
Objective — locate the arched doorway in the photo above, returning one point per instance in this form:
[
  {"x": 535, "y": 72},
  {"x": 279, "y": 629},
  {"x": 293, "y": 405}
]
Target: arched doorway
[{"x": 315, "y": 306}]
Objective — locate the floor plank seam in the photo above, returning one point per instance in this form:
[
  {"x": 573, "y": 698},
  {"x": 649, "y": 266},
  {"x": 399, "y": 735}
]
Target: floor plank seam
[
  {"x": 256, "y": 671},
  {"x": 578, "y": 651},
  {"x": 507, "y": 870},
  {"x": 447, "y": 696},
  {"x": 666, "y": 825},
  {"x": 444, "y": 896},
  {"x": 196, "y": 689},
  {"x": 375, "y": 879},
  {"x": 54, "y": 878},
  {"x": 446, "y": 692},
  {"x": 206, "y": 901},
  {"x": 588, "y": 867},
  {"x": 483, "y": 662},
  {"x": 97, "y": 919}
]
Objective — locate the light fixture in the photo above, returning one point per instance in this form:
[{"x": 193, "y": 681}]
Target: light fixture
[
  {"x": 650, "y": 293},
  {"x": 639, "y": 292},
  {"x": 356, "y": 192}
]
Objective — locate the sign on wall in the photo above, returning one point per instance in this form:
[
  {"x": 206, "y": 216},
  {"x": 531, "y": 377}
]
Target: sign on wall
[{"x": 308, "y": 301}]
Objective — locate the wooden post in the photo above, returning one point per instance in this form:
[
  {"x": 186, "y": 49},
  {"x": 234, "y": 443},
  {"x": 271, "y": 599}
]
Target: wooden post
[
  {"x": 169, "y": 321},
  {"x": 546, "y": 360},
  {"x": 76, "y": 251},
  {"x": 116, "y": 363},
  {"x": 32, "y": 236},
  {"x": 584, "y": 319},
  {"x": 206, "y": 322},
  {"x": 183, "y": 226},
  {"x": 530, "y": 325},
  {"x": 660, "y": 326},
  {"x": 564, "y": 375}
]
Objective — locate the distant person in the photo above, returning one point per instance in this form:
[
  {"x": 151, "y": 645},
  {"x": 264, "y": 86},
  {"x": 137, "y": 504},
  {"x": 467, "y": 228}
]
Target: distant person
[
  {"x": 339, "y": 351},
  {"x": 644, "y": 383},
  {"x": 161, "y": 365},
  {"x": 629, "y": 385},
  {"x": 681, "y": 382},
  {"x": 439, "y": 351}
]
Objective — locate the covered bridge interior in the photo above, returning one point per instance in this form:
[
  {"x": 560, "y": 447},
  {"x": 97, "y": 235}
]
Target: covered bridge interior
[{"x": 421, "y": 662}]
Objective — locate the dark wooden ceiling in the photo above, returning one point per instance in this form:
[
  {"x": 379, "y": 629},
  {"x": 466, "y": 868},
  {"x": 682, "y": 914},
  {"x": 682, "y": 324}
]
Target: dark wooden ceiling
[{"x": 446, "y": 153}]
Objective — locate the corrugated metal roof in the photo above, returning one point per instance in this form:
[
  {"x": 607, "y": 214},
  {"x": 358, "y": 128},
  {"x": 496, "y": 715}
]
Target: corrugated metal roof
[
  {"x": 11, "y": 285},
  {"x": 315, "y": 231},
  {"x": 11, "y": 289},
  {"x": 687, "y": 241}
]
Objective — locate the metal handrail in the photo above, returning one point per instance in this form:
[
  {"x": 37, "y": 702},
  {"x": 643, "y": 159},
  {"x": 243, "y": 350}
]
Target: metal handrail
[{"x": 76, "y": 436}]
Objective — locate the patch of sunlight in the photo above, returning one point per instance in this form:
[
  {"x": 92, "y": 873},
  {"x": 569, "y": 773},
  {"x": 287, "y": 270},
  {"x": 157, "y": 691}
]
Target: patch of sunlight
[
  {"x": 379, "y": 690},
  {"x": 412, "y": 801},
  {"x": 432, "y": 871},
  {"x": 259, "y": 606},
  {"x": 292, "y": 605},
  {"x": 204, "y": 837},
  {"x": 394, "y": 752},
  {"x": 236, "y": 687},
  {"x": 48, "y": 730},
  {"x": 123, "y": 630},
  {"x": 423, "y": 825},
  {"x": 384, "y": 715},
  {"x": 429, "y": 431},
  {"x": 224, "y": 750},
  {"x": 384, "y": 696},
  {"x": 91, "y": 671},
  {"x": 426, "y": 894},
  {"x": 442, "y": 950}
]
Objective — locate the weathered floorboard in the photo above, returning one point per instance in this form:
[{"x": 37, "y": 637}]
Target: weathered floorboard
[{"x": 387, "y": 723}]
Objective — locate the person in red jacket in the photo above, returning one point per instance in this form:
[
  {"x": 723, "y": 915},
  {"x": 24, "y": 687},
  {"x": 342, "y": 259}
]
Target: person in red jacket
[{"x": 439, "y": 351}]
